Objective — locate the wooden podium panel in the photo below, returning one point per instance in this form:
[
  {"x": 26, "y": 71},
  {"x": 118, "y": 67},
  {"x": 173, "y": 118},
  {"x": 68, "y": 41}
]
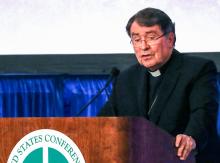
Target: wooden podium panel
[{"x": 100, "y": 140}]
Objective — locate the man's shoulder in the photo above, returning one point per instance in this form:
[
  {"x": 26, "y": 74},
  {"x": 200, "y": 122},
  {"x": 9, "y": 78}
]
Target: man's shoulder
[
  {"x": 190, "y": 61},
  {"x": 195, "y": 63},
  {"x": 190, "y": 57}
]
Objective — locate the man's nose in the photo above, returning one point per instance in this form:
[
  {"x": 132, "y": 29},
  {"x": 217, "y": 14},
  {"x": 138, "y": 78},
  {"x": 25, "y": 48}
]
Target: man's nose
[{"x": 144, "y": 45}]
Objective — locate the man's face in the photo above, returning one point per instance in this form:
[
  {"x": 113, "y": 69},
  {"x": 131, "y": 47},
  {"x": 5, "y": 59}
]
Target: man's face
[{"x": 152, "y": 48}]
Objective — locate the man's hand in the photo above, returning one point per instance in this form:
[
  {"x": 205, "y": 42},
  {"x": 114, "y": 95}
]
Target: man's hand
[{"x": 185, "y": 144}]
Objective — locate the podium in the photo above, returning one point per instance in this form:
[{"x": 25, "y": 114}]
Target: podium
[{"x": 100, "y": 140}]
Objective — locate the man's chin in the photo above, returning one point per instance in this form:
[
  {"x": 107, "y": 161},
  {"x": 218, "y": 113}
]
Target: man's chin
[{"x": 147, "y": 64}]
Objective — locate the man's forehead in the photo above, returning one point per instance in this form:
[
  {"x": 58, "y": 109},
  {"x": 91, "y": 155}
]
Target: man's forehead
[{"x": 137, "y": 29}]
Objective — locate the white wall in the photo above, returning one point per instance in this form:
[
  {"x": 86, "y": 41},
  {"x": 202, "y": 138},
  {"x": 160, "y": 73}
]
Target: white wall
[{"x": 98, "y": 26}]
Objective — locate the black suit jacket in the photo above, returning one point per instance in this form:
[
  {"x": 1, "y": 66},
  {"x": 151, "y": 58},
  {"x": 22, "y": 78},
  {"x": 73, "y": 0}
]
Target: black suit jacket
[{"x": 186, "y": 99}]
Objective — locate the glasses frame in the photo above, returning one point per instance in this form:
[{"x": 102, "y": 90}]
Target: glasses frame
[{"x": 149, "y": 42}]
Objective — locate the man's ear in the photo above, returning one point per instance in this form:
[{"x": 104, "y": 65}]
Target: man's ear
[{"x": 171, "y": 39}]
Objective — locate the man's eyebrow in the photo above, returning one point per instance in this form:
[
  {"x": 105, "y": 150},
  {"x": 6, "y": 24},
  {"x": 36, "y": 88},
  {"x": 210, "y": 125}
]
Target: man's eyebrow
[
  {"x": 151, "y": 32},
  {"x": 134, "y": 34},
  {"x": 148, "y": 32}
]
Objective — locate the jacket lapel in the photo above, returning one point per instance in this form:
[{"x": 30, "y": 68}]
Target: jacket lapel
[
  {"x": 168, "y": 84},
  {"x": 142, "y": 91}
]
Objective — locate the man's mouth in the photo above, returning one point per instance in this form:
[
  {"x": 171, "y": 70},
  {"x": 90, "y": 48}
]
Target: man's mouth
[{"x": 146, "y": 56}]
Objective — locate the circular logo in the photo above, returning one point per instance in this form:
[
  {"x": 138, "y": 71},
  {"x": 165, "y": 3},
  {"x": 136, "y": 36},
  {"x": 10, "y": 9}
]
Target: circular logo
[{"x": 46, "y": 146}]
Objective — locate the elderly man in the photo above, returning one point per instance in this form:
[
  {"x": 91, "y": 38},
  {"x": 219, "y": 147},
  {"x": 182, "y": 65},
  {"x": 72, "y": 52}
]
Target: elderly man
[{"x": 176, "y": 92}]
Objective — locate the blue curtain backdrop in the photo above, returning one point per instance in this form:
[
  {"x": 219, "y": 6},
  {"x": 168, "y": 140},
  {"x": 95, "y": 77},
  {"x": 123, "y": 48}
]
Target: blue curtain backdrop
[
  {"x": 51, "y": 95},
  {"x": 54, "y": 95}
]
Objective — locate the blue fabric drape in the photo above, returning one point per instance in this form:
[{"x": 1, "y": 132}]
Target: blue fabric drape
[
  {"x": 50, "y": 96},
  {"x": 78, "y": 91},
  {"x": 54, "y": 95}
]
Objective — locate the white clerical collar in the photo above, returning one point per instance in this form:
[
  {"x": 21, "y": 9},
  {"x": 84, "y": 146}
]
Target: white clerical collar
[{"x": 155, "y": 73}]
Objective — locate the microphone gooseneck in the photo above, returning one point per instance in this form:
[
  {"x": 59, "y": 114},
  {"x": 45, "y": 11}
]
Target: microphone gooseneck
[{"x": 113, "y": 74}]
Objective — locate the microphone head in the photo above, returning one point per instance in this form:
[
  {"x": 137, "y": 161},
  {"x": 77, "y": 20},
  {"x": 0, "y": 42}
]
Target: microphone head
[{"x": 115, "y": 71}]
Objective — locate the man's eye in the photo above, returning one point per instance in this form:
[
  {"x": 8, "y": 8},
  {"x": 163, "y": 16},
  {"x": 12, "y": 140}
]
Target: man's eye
[
  {"x": 151, "y": 38},
  {"x": 136, "y": 39}
]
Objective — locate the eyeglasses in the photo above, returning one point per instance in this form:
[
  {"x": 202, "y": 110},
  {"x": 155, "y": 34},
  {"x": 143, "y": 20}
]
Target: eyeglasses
[{"x": 150, "y": 39}]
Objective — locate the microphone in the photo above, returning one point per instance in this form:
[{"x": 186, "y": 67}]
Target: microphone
[{"x": 113, "y": 74}]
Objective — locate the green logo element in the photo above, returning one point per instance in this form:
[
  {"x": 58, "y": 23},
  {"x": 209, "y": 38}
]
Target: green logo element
[
  {"x": 46, "y": 146},
  {"x": 54, "y": 156}
]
